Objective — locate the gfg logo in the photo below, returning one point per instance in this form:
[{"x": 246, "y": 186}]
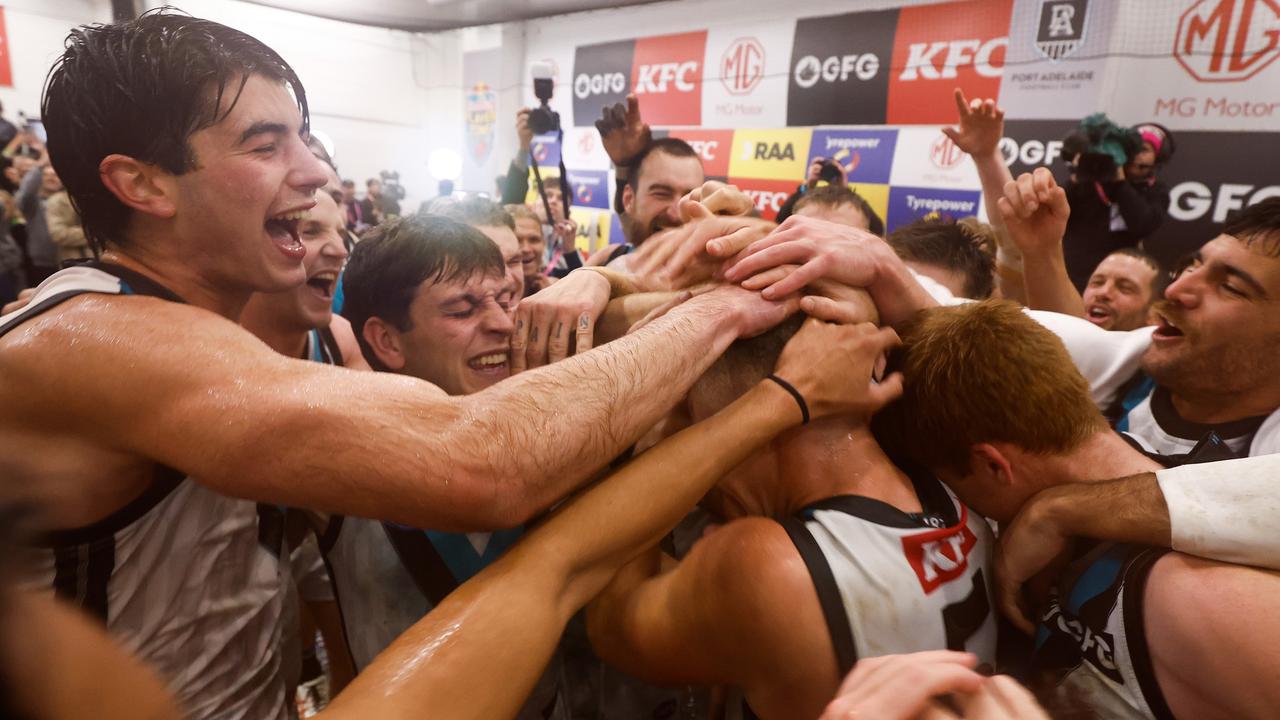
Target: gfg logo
[
  {"x": 1193, "y": 200},
  {"x": 923, "y": 58},
  {"x": 1031, "y": 152},
  {"x": 586, "y": 85},
  {"x": 1228, "y": 40},
  {"x": 809, "y": 70},
  {"x": 742, "y": 66}
]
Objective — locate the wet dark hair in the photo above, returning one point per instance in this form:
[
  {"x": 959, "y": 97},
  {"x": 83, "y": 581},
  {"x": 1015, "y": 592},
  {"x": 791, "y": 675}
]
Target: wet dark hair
[
  {"x": 950, "y": 245},
  {"x": 1258, "y": 224},
  {"x": 479, "y": 212},
  {"x": 393, "y": 259},
  {"x": 142, "y": 89},
  {"x": 833, "y": 196}
]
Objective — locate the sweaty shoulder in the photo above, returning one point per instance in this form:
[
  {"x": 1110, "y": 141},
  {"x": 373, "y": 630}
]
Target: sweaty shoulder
[{"x": 1213, "y": 634}]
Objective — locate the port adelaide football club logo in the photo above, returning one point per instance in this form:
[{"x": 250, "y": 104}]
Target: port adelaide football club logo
[{"x": 1061, "y": 28}]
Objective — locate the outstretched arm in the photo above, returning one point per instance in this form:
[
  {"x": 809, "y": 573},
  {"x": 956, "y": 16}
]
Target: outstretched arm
[
  {"x": 1035, "y": 211},
  {"x": 251, "y": 423},
  {"x": 479, "y": 652}
]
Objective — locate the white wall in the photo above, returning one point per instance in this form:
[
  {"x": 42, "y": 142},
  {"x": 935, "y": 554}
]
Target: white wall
[{"x": 36, "y": 30}]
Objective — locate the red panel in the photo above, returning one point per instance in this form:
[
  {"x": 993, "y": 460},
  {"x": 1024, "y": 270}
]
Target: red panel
[{"x": 667, "y": 76}]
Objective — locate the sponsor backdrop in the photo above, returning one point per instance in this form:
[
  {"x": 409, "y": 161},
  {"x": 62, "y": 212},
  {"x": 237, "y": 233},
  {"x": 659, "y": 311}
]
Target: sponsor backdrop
[{"x": 871, "y": 91}]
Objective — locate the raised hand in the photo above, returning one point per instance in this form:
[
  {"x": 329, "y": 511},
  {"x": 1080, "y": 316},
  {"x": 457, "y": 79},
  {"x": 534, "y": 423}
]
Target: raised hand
[
  {"x": 523, "y": 132},
  {"x": 622, "y": 132},
  {"x": 981, "y": 126},
  {"x": 559, "y": 321},
  {"x": 720, "y": 199},
  {"x": 1035, "y": 211},
  {"x": 679, "y": 257}
]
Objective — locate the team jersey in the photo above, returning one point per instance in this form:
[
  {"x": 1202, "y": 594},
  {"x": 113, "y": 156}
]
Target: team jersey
[
  {"x": 178, "y": 575},
  {"x": 1091, "y": 646},
  {"x": 893, "y": 582}
]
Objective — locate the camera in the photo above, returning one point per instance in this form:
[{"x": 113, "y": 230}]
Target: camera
[
  {"x": 543, "y": 119},
  {"x": 831, "y": 172},
  {"x": 391, "y": 187}
]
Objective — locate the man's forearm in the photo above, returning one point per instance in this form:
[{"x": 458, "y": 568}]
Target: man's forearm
[
  {"x": 559, "y": 424},
  {"x": 623, "y": 312},
  {"x": 1131, "y": 509},
  {"x": 1047, "y": 285}
]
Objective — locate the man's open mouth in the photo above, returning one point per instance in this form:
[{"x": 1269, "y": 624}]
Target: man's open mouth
[
  {"x": 1166, "y": 329},
  {"x": 324, "y": 283},
  {"x": 490, "y": 363},
  {"x": 1098, "y": 313},
  {"x": 283, "y": 229}
]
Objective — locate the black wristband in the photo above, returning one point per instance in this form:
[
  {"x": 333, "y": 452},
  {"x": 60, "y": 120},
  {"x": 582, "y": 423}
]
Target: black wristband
[{"x": 804, "y": 407}]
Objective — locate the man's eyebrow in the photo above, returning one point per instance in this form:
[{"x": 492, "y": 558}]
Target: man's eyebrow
[
  {"x": 262, "y": 127},
  {"x": 1244, "y": 277},
  {"x": 661, "y": 186}
]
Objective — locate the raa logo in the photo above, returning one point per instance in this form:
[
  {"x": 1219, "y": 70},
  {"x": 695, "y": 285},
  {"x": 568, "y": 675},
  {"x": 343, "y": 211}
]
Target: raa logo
[{"x": 768, "y": 151}]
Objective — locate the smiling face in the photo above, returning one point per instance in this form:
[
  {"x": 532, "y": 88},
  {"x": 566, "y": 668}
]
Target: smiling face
[
  {"x": 533, "y": 245},
  {"x": 661, "y": 181},
  {"x": 1218, "y": 329},
  {"x": 460, "y": 333},
  {"x": 506, "y": 240},
  {"x": 235, "y": 215},
  {"x": 1118, "y": 296}
]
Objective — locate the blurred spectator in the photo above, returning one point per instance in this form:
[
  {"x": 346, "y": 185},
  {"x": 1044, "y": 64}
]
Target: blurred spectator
[
  {"x": 352, "y": 208},
  {"x": 64, "y": 227},
  {"x": 1114, "y": 195},
  {"x": 1122, "y": 289},
  {"x": 838, "y": 203},
  {"x": 8, "y": 131},
  {"x": 960, "y": 255},
  {"x": 40, "y": 182},
  {"x": 371, "y": 205},
  {"x": 533, "y": 248},
  {"x": 495, "y": 223},
  {"x": 823, "y": 172},
  {"x": 12, "y": 279}
]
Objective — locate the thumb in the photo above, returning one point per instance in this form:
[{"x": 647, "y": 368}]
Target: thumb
[
  {"x": 951, "y": 133},
  {"x": 884, "y": 392},
  {"x": 693, "y": 210}
]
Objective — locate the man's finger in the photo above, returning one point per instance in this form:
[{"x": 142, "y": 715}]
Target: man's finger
[
  {"x": 962, "y": 105},
  {"x": 1006, "y": 209},
  {"x": 805, "y": 274},
  {"x": 766, "y": 259},
  {"x": 951, "y": 133},
  {"x": 828, "y": 310},
  {"x": 561, "y": 329},
  {"x": 768, "y": 277},
  {"x": 1026, "y": 189},
  {"x": 1008, "y": 597},
  {"x": 585, "y": 333},
  {"x": 885, "y": 392},
  {"x": 538, "y": 330},
  {"x": 633, "y": 110},
  {"x": 519, "y": 341}
]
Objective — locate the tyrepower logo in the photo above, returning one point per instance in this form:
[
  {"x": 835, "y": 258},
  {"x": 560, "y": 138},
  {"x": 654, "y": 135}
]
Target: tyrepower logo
[
  {"x": 667, "y": 76},
  {"x": 742, "y": 66},
  {"x": 713, "y": 148},
  {"x": 840, "y": 69},
  {"x": 939, "y": 556},
  {"x": 1228, "y": 40},
  {"x": 940, "y": 47}
]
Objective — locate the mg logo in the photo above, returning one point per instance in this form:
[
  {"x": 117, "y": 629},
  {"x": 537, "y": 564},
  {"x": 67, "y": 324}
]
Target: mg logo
[
  {"x": 742, "y": 66},
  {"x": 944, "y": 153},
  {"x": 1228, "y": 40},
  {"x": 587, "y": 142}
]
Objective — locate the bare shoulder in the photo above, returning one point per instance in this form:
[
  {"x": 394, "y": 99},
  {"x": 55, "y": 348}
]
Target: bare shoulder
[{"x": 754, "y": 558}]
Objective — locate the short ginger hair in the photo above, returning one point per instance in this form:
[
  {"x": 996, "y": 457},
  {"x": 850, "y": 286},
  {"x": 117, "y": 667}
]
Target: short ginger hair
[{"x": 983, "y": 372}]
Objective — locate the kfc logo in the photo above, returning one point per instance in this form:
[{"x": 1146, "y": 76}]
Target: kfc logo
[
  {"x": 944, "y": 154},
  {"x": 655, "y": 78},
  {"x": 923, "y": 59},
  {"x": 768, "y": 203},
  {"x": 835, "y": 69},
  {"x": 713, "y": 148},
  {"x": 706, "y": 149},
  {"x": 1228, "y": 40},
  {"x": 940, "y": 556},
  {"x": 742, "y": 66}
]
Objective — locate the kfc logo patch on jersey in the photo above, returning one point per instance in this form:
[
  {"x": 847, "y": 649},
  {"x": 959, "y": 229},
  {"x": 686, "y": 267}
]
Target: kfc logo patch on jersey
[
  {"x": 1228, "y": 40},
  {"x": 713, "y": 148},
  {"x": 840, "y": 69},
  {"x": 940, "y": 47},
  {"x": 940, "y": 556},
  {"x": 1061, "y": 29},
  {"x": 601, "y": 77},
  {"x": 667, "y": 76},
  {"x": 742, "y": 66}
]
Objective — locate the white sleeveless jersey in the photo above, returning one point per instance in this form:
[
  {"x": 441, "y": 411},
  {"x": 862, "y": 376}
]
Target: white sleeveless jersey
[
  {"x": 891, "y": 582},
  {"x": 178, "y": 575}
]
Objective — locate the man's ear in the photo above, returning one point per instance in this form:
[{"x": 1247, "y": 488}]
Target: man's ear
[
  {"x": 990, "y": 463},
  {"x": 142, "y": 186},
  {"x": 628, "y": 199},
  {"x": 384, "y": 340}
]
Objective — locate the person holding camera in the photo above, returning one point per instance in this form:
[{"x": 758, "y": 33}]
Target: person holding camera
[
  {"x": 1116, "y": 200},
  {"x": 824, "y": 171}
]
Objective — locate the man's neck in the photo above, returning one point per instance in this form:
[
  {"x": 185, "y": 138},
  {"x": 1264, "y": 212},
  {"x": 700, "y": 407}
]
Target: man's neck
[
  {"x": 1104, "y": 456},
  {"x": 830, "y": 458},
  {"x": 1215, "y": 408},
  {"x": 181, "y": 279}
]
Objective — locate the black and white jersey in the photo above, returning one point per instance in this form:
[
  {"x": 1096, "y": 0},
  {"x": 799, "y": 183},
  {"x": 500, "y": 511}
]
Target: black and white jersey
[
  {"x": 1091, "y": 643},
  {"x": 892, "y": 582},
  {"x": 178, "y": 575}
]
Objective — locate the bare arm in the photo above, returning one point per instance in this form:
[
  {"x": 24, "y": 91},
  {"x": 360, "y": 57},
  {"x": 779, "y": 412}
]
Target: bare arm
[
  {"x": 1035, "y": 211},
  {"x": 447, "y": 660},
  {"x": 714, "y": 620},
  {"x": 1213, "y": 632},
  {"x": 251, "y": 423}
]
